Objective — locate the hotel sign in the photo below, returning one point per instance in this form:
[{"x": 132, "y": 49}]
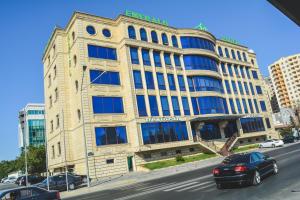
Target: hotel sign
[
  {"x": 230, "y": 40},
  {"x": 147, "y": 18},
  {"x": 252, "y": 116},
  {"x": 162, "y": 119}
]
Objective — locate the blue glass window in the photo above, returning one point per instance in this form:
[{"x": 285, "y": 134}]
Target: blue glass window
[
  {"x": 212, "y": 105},
  {"x": 233, "y": 54},
  {"x": 177, "y": 60},
  {"x": 110, "y": 135},
  {"x": 238, "y": 105},
  {"x": 107, "y": 104},
  {"x": 98, "y": 77},
  {"x": 252, "y": 124},
  {"x": 137, "y": 79},
  {"x": 185, "y": 105},
  {"x": 245, "y": 105},
  {"x": 175, "y": 104},
  {"x": 239, "y": 55},
  {"x": 102, "y": 52},
  {"x": 205, "y": 83},
  {"x": 181, "y": 82},
  {"x": 131, "y": 32},
  {"x": 153, "y": 105},
  {"x": 242, "y": 71},
  {"x": 167, "y": 59},
  {"x": 174, "y": 41},
  {"x": 161, "y": 81},
  {"x": 252, "y": 88},
  {"x": 220, "y": 51},
  {"x": 106, "y": 32},
  {"x": 134, "y": 55},
  {"x": 241, "y": 87},
  {"x": 258, "y": 89},
  {"x": 193, "y": 62},
  {"x": 254, "y": 74},
  {"x": 197, "y": 42},
  {"x": 228, "y": 89},
  {"x": 232, "y": 106},
  {"x": 210, "y": 131},
  {"x": 263, "y": 106},
  {"x": 154, "y": 37},
  {"x": 195, "y": 106},
  {"x": 236, "y": 70},
  {"x": 248, "y": 72},
  {"x": 223, "y": 68},
  {"x": 256, "y": 106},
  {"x": 156, "y": 56},
  {"x": 91, "y": 30},
  {"x": 143, "y": 35},
  {"x": 230, "y": 70},
  {"x": 234, "y": 88},
  {"x": 161, "y": 132},
  {"x": 250, "y": 105},
  {"x": 245, "y": 57},
  {"x": 149, "y": 80},
  {"x": 227, "y": 53},
  {"x": 164, "y": 39},
  {"x": 165, "y": 105},
  {"x": 141, "y": 105},
  {"x": 171, "y": 81},
  {"x": 246, "y": 88},
  {"x": 146, "y": 57}
]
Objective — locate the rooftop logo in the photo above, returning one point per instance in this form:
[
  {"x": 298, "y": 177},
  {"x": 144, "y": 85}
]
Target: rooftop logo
[
  {"x": 147, "y": 18},
  {"x": 201, "y": 27},
  {"x": 230, "y": 40}
]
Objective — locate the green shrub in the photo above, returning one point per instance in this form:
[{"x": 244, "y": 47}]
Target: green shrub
[{"x": 179, "y": 158}]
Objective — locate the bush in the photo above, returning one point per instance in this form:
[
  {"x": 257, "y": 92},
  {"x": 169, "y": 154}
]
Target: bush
[{"x": 179, "y": 159}]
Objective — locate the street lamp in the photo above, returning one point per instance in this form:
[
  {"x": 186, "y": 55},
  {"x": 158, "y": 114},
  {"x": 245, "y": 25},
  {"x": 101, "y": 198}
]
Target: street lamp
[{"x": 84, "y": 67}]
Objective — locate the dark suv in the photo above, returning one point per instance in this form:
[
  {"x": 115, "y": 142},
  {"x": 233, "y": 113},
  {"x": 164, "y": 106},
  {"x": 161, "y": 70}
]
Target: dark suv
[
  {"x": 32, "y": 179},
  {"x": 288, "y": 139},
  {"x": 59, "y": 182}
]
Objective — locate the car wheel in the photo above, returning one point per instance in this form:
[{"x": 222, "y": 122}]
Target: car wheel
[
  {"x": 220, "y": 186},
  {"x": 72, "y": 186},
  {"x": 273, "y": 146},
  {"x": 256, "y": 178},
  {"x": 275, "y": 168}
]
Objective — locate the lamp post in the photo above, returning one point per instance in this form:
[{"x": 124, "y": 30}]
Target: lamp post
[
  {"x": 25, "y": 145},
  {"x": 83, "y": 122}
]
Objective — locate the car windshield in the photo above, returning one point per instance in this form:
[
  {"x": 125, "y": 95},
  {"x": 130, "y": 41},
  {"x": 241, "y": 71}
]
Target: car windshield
[{"x": 235, "y": 159}]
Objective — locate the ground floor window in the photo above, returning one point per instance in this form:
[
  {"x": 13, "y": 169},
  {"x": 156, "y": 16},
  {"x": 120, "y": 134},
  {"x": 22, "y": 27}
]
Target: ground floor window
[
  {"x": 161, "y": 132},
  {"x": 230, "y": 129},
  {"x": 210, "y": 131},
  {"x": 254, "y": 124},
  {"x": 110, "y": 135}
]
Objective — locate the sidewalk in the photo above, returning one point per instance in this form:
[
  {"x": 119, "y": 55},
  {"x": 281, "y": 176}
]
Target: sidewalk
[{"x": 137, "y": 177}]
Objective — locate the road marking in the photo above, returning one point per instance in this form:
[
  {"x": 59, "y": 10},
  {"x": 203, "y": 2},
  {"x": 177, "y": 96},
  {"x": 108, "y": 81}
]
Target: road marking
[
  {"x": 286, "y": 153},
  {"x": 155, "y": 186},
  {"x": 180, "y": 186},
  {"x": 207, "y": 186},
  {"x": 193, "y": 186}
]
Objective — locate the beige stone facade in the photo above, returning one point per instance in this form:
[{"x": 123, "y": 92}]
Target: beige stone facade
[{"x": 69, "y": 95}]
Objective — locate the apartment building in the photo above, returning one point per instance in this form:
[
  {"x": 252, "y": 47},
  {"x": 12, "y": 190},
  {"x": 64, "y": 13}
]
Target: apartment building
[{"x": 123, "y": 92}]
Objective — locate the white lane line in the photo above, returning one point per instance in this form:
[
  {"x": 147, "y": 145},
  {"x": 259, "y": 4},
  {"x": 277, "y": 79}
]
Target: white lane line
[
  {"x": 207, "y": 186},
  {"x": 180, "y": 186},
  {"x": 193, "y": 186},
  {"x": 154, "y": 186},
  {"x": 286, "y": 153},
  {"x": 130, "y": 186}
]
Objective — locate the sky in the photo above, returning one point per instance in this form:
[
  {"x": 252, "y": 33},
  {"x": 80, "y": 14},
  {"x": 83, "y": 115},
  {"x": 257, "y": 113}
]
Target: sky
[{"x": 27, "y": 25}]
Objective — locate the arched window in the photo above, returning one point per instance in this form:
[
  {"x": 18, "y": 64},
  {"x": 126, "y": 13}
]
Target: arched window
[
  {"x": 131, "y": 32},
  {"x": 154, "y": 37},
  {"x": 245, "y": 57},
  {"x": 164, "y": 39},
  {"x": 143, "y": 34},
  {"x": 239, "y": 55},
  {"x": 233, "y": 54},
  {"x": 227, "y": 53},
  {"x": 174, "y": 41},
  {"x": 220, "y": 51}
]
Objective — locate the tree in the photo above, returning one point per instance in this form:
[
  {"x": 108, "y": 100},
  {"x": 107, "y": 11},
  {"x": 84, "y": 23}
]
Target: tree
[{"x": 285, "y": 131}]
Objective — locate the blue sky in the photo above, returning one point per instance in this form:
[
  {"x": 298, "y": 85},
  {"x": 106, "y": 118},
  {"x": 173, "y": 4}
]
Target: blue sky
[{"x": 27, "y": 25}]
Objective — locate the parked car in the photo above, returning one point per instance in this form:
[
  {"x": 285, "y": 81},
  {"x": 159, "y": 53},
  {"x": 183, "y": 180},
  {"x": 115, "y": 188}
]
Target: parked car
[
  {"x": 82, "y": 177},
  {"x": 271, "y": 143},
  {"x": 247, "y": 168},
  {"x": 3, "y": 179},
  {"x": 32, "y": 179},
  {"x": 58, "y": 182},
  {"x": 288, "y": 139},
  {"x": 29, "y": 193},
  {"x": 11, "y": 179}
]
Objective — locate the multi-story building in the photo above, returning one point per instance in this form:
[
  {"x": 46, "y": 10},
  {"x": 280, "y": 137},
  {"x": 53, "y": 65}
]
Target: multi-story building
[
  {"x": 271, "y": 94},
  {"x": 123, "y": 92},
  {"x": 32, "y": 125},
  {"x": 285, "y": 75}
]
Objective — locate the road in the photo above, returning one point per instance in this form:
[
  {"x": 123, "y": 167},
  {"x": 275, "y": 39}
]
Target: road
[{"x": 199, "y": 184}]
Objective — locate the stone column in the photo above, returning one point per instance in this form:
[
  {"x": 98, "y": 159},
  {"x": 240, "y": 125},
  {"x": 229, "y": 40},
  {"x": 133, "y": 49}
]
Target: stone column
[
  {"x": 198, "y": 126},
  {"x": 222, "y": 126},
  {"x": 239, "y": 127}
]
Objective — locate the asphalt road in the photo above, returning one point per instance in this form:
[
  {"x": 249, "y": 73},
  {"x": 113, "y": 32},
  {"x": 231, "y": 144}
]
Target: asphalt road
[{"x": 199, "y": 184}]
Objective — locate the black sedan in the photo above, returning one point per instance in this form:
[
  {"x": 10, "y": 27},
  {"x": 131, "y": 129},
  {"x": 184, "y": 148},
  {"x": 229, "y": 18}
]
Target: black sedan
[
  {"x": 31, "y": 179},
  {"x": 29, "y": 193},
  {"x": 288, "y": 139},
  {"x": 59, "y": 182},
  {"x": 247, "y": 168}
]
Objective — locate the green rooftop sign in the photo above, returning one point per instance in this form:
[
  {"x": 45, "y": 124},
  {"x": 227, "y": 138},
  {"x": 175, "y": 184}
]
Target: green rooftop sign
[
  {"x": 201, "y": 27},
  {"x": 230, "y": 40},
  {"x": 147, "y": 18}
]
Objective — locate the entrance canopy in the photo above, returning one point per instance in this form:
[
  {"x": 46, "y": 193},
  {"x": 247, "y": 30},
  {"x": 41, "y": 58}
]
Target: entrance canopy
[{"x": 216, "y": 118}]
